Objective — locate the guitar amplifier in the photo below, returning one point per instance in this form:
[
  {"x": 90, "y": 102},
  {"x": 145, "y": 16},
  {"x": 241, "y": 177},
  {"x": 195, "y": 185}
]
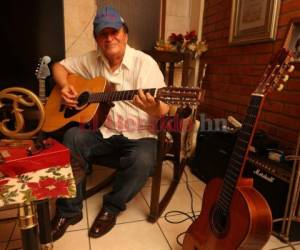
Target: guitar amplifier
[
  {"x": 271, "y": 179},
  {"x": 212, "y": 154}
]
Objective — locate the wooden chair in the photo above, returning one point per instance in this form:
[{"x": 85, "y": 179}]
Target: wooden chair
[
  {"x": 167, "y": 60},
  {"x": 168, "y": 147}
]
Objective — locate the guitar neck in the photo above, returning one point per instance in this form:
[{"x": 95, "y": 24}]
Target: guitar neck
[
  {"x": 117, "y": 95},
  {"x": 240, "y": 150},
  {"x": 42, "y": 90}
]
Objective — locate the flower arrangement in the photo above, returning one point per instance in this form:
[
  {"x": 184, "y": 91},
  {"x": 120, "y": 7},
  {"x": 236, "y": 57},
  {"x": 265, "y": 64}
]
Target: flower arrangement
[{"x": 183, "y": 43}]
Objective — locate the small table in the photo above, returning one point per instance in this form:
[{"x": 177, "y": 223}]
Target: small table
[{"x": 30, "y": 192}]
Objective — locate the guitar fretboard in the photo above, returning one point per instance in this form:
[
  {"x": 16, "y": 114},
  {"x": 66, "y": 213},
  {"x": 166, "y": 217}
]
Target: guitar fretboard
[
  {"x": 117, "y": 95},
  {"x": 240, "y": 150},
  {"x": 42, "y": 91}
]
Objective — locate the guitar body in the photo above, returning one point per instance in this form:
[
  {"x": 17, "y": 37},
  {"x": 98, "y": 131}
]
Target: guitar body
[
  {"x": 248, "y": 227},
  {"x": 56, "y": 111}
]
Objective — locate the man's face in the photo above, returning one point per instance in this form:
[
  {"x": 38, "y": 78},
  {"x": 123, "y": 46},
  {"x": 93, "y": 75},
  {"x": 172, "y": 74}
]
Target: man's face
[{"x": 112, "y": 42}]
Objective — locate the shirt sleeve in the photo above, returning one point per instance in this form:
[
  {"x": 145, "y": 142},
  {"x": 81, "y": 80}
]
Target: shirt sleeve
[
  {"x": 152, "y": 77},
  {"x": 79, "y": 64}
]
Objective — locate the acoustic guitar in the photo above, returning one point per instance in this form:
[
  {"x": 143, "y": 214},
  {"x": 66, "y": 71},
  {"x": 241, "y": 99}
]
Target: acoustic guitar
[
  {"x": 234, "y": 215},
  {"x": 93, "y": 96}
]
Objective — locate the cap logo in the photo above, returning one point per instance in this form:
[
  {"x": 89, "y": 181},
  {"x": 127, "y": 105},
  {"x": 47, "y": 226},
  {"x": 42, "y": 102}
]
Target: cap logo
[{"x": 109, "y": 16}]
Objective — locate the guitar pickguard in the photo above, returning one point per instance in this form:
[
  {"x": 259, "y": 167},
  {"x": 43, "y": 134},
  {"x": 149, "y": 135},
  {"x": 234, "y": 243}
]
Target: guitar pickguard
[{"x": 70, "y": 112}]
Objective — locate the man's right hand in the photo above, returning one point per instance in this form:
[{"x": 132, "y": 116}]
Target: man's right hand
[{"x": 69, "y": 95}]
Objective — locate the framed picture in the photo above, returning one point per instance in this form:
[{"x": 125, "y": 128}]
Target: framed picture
[
  {"x": 253, "y": 21},
  {"x": 292, "y": 40}
]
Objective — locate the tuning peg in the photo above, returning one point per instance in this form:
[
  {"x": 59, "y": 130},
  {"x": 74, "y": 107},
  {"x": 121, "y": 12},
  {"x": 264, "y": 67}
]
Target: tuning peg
[
  {"x": 47, "y": 59},
  {"x": 291, "y": 68},
  {"x": 285, "y": 78},
  {"x": 280, "y": 87}
]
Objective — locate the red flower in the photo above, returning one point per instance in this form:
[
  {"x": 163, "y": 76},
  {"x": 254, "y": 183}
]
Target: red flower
[
  {"x": 191, "y": 36},
  {"x": 175, "y": 39},
  {"x": 49, "y": 188}
]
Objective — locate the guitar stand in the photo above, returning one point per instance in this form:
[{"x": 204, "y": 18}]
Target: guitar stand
[
  {"x": 40, "y": 143},
  {"x": 293, "y": 200}
]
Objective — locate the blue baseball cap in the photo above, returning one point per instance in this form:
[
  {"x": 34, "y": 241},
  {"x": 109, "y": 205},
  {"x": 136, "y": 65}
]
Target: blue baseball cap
[{"x": 107, "y": 17}]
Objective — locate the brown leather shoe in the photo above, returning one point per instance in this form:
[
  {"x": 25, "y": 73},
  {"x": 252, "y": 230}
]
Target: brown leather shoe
[
  {"x": 103, "y": 223},
  {"x": 60, "y": 224}
]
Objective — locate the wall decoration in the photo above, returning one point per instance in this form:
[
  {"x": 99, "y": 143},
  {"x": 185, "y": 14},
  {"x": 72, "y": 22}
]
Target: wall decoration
[
  {"x": 292, "y": 40},
  {"x": 253, "y": 21}
]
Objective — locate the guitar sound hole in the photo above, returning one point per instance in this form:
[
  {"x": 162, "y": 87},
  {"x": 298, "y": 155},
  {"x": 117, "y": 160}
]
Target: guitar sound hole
[
  {"x": 83, "y": 99},
  {"x": 219, "y": 221}
]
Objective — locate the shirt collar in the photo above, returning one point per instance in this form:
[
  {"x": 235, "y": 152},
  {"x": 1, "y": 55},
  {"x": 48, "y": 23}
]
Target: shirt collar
[{"x": 127, "y": 59}]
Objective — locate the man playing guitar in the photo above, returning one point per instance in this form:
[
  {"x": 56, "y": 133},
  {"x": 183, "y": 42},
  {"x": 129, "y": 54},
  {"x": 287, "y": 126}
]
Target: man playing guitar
[{"x": 126, "y": 140}]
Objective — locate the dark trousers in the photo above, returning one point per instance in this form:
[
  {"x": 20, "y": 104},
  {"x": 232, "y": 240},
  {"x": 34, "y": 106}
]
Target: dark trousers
[{"x": 134, "y": 161}]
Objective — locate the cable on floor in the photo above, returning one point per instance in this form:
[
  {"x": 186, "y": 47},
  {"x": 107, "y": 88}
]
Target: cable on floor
[{"x": 192, "y": 217}]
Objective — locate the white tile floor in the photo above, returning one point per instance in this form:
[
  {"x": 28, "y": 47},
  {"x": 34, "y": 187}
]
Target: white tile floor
[{"x": 133, "y": 231}]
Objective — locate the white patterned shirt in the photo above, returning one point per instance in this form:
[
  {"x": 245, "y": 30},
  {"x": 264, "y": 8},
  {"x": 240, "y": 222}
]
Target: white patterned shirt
[{"x": 137, "y": 71}]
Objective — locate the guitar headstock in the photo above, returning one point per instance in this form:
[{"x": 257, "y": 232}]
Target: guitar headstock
[
  {"x": 42, "y": 71},
  {"x": 179, "y": 95},
  {"x": 276, "y": 73}
]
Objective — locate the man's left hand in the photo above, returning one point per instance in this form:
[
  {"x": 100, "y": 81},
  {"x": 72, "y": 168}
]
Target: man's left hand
[{"x": 147, "y": 102}]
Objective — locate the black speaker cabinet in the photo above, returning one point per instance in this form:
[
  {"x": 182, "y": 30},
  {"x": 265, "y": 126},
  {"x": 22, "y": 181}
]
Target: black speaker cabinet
[
  {"x": 213, "y": 151},
  {"x": 272, "y": 179},
  {"x": 273, "y": 187}
]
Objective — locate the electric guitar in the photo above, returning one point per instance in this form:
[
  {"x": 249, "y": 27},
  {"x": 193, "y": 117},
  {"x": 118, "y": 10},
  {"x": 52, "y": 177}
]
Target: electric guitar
[
  {"x": 92, "y": 92},
  {"x": 234, "y": 215},
  {"x": 42, "y": 72}
]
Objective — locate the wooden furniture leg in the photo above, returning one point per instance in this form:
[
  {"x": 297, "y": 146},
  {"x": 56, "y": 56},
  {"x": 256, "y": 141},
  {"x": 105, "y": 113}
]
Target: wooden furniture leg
[
  {"x": 46, "y": 242},
  {"x": 28, "y": 226}
]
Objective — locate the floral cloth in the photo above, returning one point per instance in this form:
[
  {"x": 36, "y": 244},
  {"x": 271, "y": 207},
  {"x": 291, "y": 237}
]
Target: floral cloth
[{"x": 52, "y": 182}]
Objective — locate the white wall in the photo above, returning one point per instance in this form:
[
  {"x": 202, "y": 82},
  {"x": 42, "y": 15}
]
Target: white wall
[
  {"x": 139, "y": 15},
  {"x": 183, "y": 16},
  {"x": 178, "y": 15},
  {"x": 79, "y": 15}
]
